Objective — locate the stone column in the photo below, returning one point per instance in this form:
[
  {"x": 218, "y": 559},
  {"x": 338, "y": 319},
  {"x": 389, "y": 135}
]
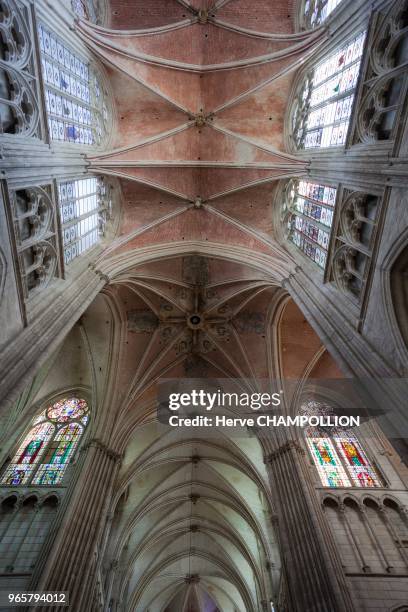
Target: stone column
[
  {"x": 375, "y": 377},
  {"x": 71, "y": 563},
  {"x": 312, "y": 567}
]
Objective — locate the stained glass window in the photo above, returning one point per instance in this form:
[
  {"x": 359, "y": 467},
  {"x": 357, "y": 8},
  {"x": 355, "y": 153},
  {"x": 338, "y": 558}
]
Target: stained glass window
[
  {"x": 324, "y": 103},
  {"x": 75, "y": 103},
  {"x": 85, "y": 207},
  {"x": 338, "y": 454},
  {"x": 358, "y": 466},
  {"x": 49, "y": 445},
  {"x": 308, "y": 213},
  {"x": 331, "y": 471},
  {"x": 317, "y": 11}
]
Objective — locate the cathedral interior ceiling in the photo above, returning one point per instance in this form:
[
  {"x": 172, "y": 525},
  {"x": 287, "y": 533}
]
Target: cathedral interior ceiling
[
  {"x": 200, "y": 95},
  {"x": 199, "y": 149},
  {"x": 194, "y": 287},
  {"x": 192, "y": 523}
]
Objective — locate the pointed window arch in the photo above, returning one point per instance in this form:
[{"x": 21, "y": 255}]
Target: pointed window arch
[
  {"x": 338, "y": 454},
  {"x": 49, "y": 444},
  {"x": 324, "y": 101},
  {"x": 308, "y": 211}
]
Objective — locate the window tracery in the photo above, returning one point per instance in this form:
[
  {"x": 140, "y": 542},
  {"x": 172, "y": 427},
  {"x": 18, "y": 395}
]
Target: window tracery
[
  {"x": 324, "y": 102},
  {"x": 80, "y": 8},
  {"x": 308, "y": 215},
  {"x": 49, "y": 445},
  {"x": 75, "y": 101},
  {"x": 385, "y": 81},
  {"x": 353, "y": 244},
  {"x": 85, "y": 208},
  {"x": 19, "y": 110},
  {"x": 35, "y": 236},
  {"x": 338, "y": 455}
]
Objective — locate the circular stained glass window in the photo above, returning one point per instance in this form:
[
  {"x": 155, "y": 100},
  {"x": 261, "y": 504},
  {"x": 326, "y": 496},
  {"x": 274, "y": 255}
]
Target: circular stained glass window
[{"x": 67, "y": 409}]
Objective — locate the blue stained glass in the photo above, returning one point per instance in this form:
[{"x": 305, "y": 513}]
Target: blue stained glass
[{"x": 72, "y": 92}]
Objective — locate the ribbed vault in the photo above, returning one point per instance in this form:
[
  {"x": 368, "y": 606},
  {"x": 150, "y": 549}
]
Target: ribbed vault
[
  {"x": 192, "y": 515},
  {"x": 195, "y": 278},
  {"x": 194, "y": 524},
  {"x": 200, "y": 98}
]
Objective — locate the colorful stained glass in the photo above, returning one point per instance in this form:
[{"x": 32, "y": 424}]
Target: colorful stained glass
[
  {"x": 59, "y": 454},
  {"x": 66, "y": 410},
  {"x": 49, "y": 475},
  {"x": 76, "y": 109},
  {"x": 325, "y": 457},
  {"x": 357, "y": 462},
  {"x": 312, "y": 205},
  {"x": 338, "y": 456},
  {"x": 325, "y": 105},
  {"x": 46, "y": 451},
  {"x": 28, "y": 454},
  {"x": 17, "y": 474}
]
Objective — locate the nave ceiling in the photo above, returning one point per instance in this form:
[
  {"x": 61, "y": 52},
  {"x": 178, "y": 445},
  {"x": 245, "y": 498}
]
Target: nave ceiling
[
  {"x": 192, "y": 272},
  {"x": 200, "y": 93},
  {"x": 194, "y": 289},
  {"x": 193, "y": 522}
]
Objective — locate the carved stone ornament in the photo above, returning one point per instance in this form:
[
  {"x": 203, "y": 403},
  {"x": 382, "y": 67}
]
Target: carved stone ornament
[
  {"x": 19, "y": 110},
  {"x": 345, "y": 270},
  {"x": 33, "y": 214},
  {"x": 386, "y": 76},
  {"x": 353, "y": 217}
]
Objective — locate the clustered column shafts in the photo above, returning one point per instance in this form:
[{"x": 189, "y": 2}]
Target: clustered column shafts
[
  {"x": 313, "y": 581},
  {"x": 75, "y": 546}
]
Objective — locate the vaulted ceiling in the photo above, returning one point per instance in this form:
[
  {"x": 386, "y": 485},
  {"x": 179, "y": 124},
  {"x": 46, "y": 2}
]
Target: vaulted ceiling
[
  {"x": 192, "y": 512},
  {"x": 200, "y": 91}
]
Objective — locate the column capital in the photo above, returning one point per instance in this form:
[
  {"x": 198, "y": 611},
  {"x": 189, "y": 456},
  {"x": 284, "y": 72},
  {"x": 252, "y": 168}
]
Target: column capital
[
  {"x": 97, "y": 443},
  {"x": 101, "y": 274},
  {"x": 287, "y": 447}
]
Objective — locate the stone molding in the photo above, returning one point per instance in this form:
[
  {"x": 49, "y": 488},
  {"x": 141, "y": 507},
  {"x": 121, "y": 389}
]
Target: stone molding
[{"x": 285, "y": 448}]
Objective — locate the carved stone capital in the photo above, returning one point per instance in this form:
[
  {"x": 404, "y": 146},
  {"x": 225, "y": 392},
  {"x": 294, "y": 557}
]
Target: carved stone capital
[
  {"x": 97, "y": 443},
  {"x": 288, "y": 447},
  {"x": 102, "y": 276}
]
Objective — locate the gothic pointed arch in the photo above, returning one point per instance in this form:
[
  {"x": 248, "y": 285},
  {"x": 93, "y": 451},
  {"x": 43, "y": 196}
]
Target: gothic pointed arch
[{"x": 49, "y": 444}]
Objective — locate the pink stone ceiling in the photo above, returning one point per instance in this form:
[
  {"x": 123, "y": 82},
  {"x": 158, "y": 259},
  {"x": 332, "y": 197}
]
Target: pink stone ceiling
[{"x": 200, "y": 93}]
